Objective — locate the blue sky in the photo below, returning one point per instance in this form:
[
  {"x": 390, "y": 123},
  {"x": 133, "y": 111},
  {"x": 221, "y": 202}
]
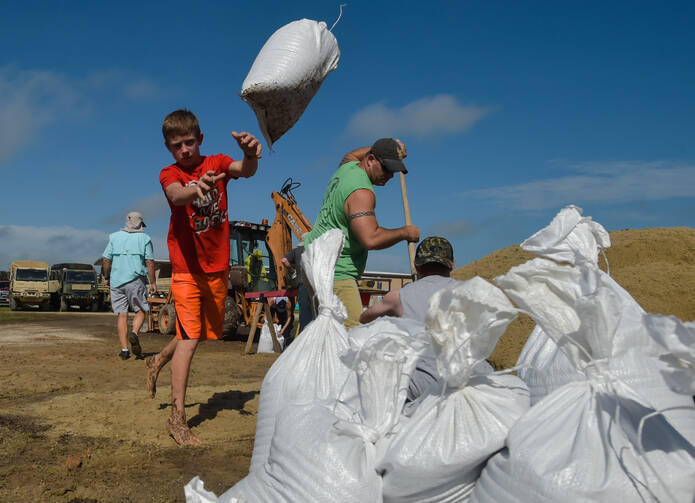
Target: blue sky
[{"x": 510, "y": 111}]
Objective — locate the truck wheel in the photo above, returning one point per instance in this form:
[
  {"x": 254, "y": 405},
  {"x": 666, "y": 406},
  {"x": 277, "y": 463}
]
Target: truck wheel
[
  {"x": 167, "y": 319},
  {"x": 63, "y": 305},
  {"x": 14, "y": 305},
  {"x": 231, "y": 317},
  {"x": 94, "y": 307},
  {"x": 45, "y": 305}
]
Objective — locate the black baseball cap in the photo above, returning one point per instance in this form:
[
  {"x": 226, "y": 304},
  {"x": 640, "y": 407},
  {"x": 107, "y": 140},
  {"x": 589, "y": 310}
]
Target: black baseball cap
[{"x": 390, "y": 154}]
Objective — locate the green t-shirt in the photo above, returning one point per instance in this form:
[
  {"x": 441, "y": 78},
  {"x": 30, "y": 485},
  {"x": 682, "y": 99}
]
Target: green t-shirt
[{"x": 349, "y": 178}]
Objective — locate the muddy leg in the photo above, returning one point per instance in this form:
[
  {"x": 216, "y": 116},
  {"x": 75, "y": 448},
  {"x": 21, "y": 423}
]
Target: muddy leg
[
  {"x": 156, "y": 363},
  {"x": 180, "y": 367},
  {"x": 178, "y": 428}
]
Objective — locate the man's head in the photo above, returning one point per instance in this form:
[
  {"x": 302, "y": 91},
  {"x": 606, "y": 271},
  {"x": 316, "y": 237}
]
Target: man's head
[
  {"x": 134, "y": 222},
  {"x": 434, "y": 255},
  {"x": 385, "y": 158},
  {"x": 182, "y": 137}
]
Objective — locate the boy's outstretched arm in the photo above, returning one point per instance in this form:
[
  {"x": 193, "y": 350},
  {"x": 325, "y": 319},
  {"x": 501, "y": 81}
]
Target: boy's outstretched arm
[{"x": 252, "y": 148}]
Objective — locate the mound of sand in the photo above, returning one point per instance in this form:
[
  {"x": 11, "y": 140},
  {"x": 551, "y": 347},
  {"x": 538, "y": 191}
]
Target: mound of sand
[{"x": 656, "y": 266}]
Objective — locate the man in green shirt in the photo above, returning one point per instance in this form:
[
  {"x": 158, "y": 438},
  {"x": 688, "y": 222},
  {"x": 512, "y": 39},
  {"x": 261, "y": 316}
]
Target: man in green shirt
[{"x": 349, "y": 205}]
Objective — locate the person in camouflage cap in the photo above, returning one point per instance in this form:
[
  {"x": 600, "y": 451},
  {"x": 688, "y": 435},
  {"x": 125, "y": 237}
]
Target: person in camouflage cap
[
  {"x": 434, "y": 261},
  {"x": 435, "y": 250}
]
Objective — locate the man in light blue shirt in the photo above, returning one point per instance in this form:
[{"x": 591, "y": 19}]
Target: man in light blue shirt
[{"x": 128, "y": 260}]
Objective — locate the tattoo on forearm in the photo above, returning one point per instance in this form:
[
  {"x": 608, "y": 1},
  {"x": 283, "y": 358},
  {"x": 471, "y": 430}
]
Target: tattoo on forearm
[{"x": 361, "y": 214}]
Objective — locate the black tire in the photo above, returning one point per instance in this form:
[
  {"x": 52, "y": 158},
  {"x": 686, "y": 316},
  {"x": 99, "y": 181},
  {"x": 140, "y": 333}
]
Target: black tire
[
  {"x": 231, "y": 317},
  {"x": 63, "y": 305},
  {"x": 45, "y": 305},
  {"x": 167, "y": 319},
  {"x": 94, "y": 307},
  {"x": 14, "y": 305}
]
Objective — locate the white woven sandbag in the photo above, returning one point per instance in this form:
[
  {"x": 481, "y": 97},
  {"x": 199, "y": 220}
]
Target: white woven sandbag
[
  {"x": 420, "y": 369},
  {"x": 580, "y": 444},
  {"x": 324, "y": 450},
  {"x": 381, "y": 367},
  {"x": 569, "y": 238},
  {"x": 310, "y": 369},
  {"x": 585, "y": 303},
  {"x": 438, "y": 453},
  {"x": 678, "y": 340},
  {"x": 195, "y": 492},
  {"x": 315, "y": 457},
  {"x": 413, "y": 338},
  {"x": 287, "y": 73},
  {"x": 543, "y": 366},
  {"x": 455, "y": 315},
  {"x": 265, "y": 340}
]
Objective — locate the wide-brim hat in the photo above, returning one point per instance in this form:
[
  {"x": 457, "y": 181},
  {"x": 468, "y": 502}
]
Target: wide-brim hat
[{"x": 134, "y": 222}]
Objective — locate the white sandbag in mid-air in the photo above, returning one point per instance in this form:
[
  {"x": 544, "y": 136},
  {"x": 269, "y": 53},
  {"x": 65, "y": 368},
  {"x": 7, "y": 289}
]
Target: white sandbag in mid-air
[{"x": 287, "y": 73}]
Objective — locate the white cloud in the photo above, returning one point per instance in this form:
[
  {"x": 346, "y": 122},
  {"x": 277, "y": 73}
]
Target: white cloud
[
  {"x": 33, "y": 99},
  {"x": 441, "y": 114},
  {"x": 59, "y": 244},
  {"x": 50, "y": 244},
  {"x": 29, "y": 100},
  {"x": 132, "y": 86},
  {"x": 609, "y": 182}
]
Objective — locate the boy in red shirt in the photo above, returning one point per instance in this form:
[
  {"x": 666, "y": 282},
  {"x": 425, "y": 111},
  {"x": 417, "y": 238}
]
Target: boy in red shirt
[{"x": 196, "y": 189}]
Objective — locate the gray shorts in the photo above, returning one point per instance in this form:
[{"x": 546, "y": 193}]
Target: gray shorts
[{"x": 133, "y": 294}]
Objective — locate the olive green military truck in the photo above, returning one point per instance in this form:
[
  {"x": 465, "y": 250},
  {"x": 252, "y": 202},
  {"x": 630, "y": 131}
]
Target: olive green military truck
[
  {"x": 74, "y": 285},
  {"x": 29, "y": 285}
]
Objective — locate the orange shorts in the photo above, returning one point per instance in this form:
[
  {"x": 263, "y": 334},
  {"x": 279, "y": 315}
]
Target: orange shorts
[{"x": 199, "y": 304}]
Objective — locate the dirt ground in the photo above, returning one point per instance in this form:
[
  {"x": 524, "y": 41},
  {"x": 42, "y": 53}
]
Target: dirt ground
[{"x": 76, "y": 424}]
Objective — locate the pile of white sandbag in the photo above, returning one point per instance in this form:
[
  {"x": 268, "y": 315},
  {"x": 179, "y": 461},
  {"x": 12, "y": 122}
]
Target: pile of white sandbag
[
  {"x": 604, "y": 425},
  {"x": 332, "y": 422},
  {"x": 347, "y": 417}
]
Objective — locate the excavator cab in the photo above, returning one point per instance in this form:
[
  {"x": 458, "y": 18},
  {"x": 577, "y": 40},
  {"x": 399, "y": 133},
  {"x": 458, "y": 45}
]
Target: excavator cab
[{"x": 250, "y": 252}]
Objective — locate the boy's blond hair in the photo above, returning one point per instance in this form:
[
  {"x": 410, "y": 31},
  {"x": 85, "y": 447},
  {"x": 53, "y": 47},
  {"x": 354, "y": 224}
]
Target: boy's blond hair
[{"x": 180, "y": 122}]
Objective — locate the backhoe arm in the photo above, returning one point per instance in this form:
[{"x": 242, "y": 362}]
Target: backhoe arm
[{"x": 289, "y": 220}]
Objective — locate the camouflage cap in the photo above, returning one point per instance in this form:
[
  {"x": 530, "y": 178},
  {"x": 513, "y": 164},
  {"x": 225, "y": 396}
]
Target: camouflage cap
[{"x": 435, "y": 249}]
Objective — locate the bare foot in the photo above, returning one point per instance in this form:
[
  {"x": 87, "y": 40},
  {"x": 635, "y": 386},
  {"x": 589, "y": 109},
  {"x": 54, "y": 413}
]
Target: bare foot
[
  {"x": 152, "y": 374},
  {"x": 179, "y": 430}
]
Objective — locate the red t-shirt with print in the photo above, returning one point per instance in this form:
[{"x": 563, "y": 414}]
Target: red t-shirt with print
[{"x": 199, "y": 231}]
